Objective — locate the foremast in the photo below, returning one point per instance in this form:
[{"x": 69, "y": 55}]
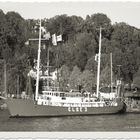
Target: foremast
[
  {"x": 38, "y": 63},
  {"x": 99, "y": 63}
]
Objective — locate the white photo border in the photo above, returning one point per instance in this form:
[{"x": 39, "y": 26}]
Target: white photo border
[{"x": 70, "y": 135}]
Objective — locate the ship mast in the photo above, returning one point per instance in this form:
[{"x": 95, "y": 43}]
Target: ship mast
[
  {"x": 5, "y": 76},
  {"x": 111, "y": 71},
  {"x": 5, "y": 79},
  {"x": 38, "y": 63},
  {"x": 99, "y": 61}
]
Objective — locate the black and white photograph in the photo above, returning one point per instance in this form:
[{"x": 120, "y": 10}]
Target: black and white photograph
[{"x": 70, "y": 66}]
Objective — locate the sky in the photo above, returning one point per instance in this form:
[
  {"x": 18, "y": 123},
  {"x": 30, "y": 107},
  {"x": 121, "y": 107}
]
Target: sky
[{"x": 117, "y": 11}]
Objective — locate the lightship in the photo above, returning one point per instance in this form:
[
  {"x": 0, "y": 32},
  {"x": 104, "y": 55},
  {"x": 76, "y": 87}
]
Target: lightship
[{"x": 53, "y": 102}]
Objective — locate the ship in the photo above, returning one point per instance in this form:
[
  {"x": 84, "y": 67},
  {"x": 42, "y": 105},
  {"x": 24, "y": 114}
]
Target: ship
[{"x": 51, "y": 101}]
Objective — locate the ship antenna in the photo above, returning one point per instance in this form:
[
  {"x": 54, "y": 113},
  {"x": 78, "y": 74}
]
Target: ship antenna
[
  {"x": 38, "y": 63},
  {"x": 99, "y": 61}
]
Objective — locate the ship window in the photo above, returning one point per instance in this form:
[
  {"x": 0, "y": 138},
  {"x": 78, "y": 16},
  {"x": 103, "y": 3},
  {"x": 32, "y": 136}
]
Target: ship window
[{"x": 56, "y": 94}]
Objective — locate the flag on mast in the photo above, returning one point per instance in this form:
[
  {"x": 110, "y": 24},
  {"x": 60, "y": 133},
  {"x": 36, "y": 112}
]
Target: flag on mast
[
  {"x": 54, "y": 40},
  {"x": 59, "y": 38}
]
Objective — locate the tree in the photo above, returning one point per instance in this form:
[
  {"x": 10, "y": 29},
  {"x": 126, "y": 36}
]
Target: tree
[
  {"x": 101, "y": 20},
  {"x": 76, "y": 53},
  {"x": 137, "y": 56},
  {"x": 69, "y": 55},
  {"x": 85, "y": 48},
  {"x": 136, "y": 80},
  {"x": 3, "y": 34},
  {"x": 16, "y": 34},
  {"x": 105, "y": 78},
  {"x": 64, "y": 78},
  {"x": 77, "y": 24},
  {"x": 74, "y": 79},
  {"x": 88, "y": 80},
  {"x": 122, "y": 33},
  {"x": 91, "y": 65},
  {"x": 17, "y": 74},
  {"x": 61, "y": 24}
]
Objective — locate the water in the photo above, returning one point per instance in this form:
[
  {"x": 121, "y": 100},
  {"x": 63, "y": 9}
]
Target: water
[{"x": 119, "y": 122}]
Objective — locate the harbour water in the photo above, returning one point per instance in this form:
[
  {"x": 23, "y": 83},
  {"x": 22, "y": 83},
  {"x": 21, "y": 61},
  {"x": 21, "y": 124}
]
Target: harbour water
[{"x": 119, "y": 122}]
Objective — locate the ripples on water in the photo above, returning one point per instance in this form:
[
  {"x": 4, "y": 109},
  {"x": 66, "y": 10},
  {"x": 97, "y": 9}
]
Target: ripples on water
[{"x": 119, "y": 122}]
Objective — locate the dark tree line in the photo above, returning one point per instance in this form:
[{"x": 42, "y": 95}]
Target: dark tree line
[{"x": 76, "y": 54}]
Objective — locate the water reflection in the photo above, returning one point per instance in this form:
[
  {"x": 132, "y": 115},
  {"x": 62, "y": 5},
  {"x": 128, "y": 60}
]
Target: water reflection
[{"x": 120, "y": 122}]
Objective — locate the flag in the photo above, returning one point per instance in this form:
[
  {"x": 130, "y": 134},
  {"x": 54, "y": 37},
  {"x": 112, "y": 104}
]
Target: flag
[
  {"x": 54, "y": 40},
  {"x": 96, "y": 57},
  {"x": 59, "y": 38}
]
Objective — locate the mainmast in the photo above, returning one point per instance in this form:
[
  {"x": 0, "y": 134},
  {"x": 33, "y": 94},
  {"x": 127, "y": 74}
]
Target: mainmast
[
  {"x": 38, "y": 63},
  {"x": 111, "y": 71},
  {"x": 99, "y": 61}
]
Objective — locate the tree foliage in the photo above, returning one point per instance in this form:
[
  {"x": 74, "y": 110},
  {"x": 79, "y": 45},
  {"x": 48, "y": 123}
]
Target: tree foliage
[
  {"x": 88, "y": 80},
  {"x": 74, "y": 79},
  {"x": 64, "y": 79},
  {"x": 75, "y": 55}
]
